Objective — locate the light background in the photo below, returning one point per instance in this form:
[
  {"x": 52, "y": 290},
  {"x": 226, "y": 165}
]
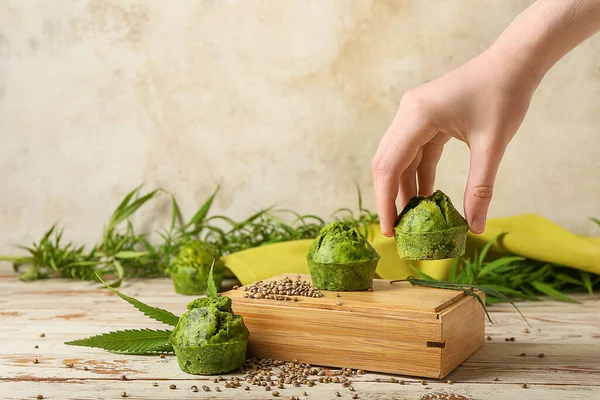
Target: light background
[{"x": 280, "y": 102}]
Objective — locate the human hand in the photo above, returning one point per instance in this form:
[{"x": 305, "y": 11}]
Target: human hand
[{"x": 482, "y": 103}]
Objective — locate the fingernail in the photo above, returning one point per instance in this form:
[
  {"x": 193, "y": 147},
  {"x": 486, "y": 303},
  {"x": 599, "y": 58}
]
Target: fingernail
[
  {"x": 478, "y": 223},
  {"x": 386, "y": 232}
]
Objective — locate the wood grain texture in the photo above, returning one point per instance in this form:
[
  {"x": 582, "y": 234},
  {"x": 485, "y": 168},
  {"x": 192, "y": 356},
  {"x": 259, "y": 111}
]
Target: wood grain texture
[
  {"x": 568, "y": 335},
  {"x": 395, "y": 328}
]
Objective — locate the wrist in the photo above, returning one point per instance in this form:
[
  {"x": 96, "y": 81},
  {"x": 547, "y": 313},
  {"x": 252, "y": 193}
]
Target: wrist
[{"x": 518, "y": 64}]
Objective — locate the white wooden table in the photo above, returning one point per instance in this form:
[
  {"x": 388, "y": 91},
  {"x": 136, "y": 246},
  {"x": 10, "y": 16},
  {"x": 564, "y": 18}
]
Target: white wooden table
[{"x": 567, "y": 334}]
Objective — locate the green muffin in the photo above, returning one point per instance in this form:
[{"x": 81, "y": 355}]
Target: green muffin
[
  {"x": 430, "y": 228},
  {"x": 341, "y": 259},
  {"x": 210, "y": 339},
  {"x": 190, "y": 267}
]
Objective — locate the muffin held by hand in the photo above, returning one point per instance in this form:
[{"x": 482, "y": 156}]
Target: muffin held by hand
[
  {"x": 430, "y": 228},
  {"x": 341, "y": 259}
]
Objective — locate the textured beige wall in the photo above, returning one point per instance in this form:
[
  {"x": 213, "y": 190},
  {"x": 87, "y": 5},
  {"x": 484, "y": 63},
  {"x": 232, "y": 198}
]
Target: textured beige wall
[{"x": 278, "y": 101}]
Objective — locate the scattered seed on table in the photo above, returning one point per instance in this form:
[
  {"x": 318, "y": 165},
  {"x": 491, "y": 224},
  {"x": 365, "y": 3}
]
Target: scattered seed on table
[
  {"x": 267, "y": 388},
  {"x": 526, "y": 330},
  {"x": 370, "y": 289},
  {"x": 217, "y": 389},
  {"x": 123, "y": 394},
  {"x": 281, "y": 386},
  {"x": 304, "y": 393},
  {"x": 42, "y": 335},
  {"x": 351, "y": 388},
  {"x": 275, "y": 393},
  {"x": 377, "y": 380},
  {"x": 423, "y": 382},
  {"x": 36, "y": 346},
  {"x": 338, "y": 303},
  {"x": 206, "y": 388},
  {"x": 524, "y": 386},
  {"x": 246, "y": 387},
  {"x": 523, "y": 354},
  {"x": 337, "y": 394},
  {"x": 172, "y": 387},
  {"x": 360, "y": 372},
  {"x": 36, "y": 361},
  {"x": 85, "y": 368},
  {"x": 123, "y": 377},
  {"x": 194, "y": 388},
  {"x": 355, "y": 396},
  {"x": 401, "y": 381},
  {"x": 337, "y": 295},
  {"x": 235, "y": 286},
  {"x": 449, "y": 382},
  {"x": 512, "y": 339},
  {"x": 541, "y": 355},
  {"x": 40, "y": 396},
  {"x": 154, "y": 384},
  {"x": 506, "y": 339},
  {"x": 496, "y": 379},
  {"x": 489, "y": 338},
  {"x": 70, "y": 365}
]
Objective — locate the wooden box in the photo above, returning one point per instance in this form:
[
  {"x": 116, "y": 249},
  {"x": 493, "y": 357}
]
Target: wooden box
[{"x": 395, "y": 328}]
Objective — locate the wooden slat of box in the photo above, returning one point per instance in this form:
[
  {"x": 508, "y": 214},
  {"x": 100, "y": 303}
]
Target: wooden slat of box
[{"x": 397, "y": 328}]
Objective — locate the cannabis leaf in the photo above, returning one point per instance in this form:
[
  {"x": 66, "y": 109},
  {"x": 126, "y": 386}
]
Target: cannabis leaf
[
  {"x": 155, "y": 313},
  {"x": 211, "y": 289},
  {"x": 130, "y": 341}
]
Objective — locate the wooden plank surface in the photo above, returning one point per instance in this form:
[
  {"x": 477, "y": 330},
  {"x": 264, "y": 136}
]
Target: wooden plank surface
[{"x": 567, "y": 334}]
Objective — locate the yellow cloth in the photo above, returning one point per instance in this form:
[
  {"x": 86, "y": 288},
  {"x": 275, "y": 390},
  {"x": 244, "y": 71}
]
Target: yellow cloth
[{"x": 529, "y": 235}]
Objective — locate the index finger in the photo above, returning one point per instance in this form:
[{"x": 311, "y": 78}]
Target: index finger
[{"x": 396, "y": 152}]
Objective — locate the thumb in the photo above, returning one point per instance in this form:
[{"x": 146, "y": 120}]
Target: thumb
[{"x": 485, "y": 160}]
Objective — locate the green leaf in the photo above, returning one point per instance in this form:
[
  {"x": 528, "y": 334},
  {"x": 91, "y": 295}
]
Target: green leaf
[
  {"x": 175, "y": 213},
  {"x": 422, "y": 274},
  {"x": 550, "y": 291},
  {"x": 16, "y": 259},
  {"x": 453, "y": 270},
  {"x": 491, "y": 266},
  {"x": 596, "y": 220},
  {"x": 126, "y": 254},
  {"x": 158, "y": 314},
  {"x": 203, "y": 211},
  {"x": 130, "y": 341},
  {"x": 211, "y": 288},
  {"x": 587, "y": 281},
  {"x": 129, "y": 209},
  {"x": 120, "y": 273},
  {"x": 568, "y": 279},
  {"x": 126, "y": 200},
  {"x": 486, "y": 248}
]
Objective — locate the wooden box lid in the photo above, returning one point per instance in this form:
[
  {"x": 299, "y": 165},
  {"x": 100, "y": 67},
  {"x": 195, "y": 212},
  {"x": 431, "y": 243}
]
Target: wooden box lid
[{"x": 396, "y": 328}]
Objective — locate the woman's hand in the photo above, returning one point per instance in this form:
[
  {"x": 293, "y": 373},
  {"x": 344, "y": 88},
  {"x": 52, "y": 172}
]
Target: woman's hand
[{"x": 482, "y": 103}]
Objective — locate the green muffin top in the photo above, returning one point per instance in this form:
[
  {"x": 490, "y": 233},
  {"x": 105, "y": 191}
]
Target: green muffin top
[
  {"x": 339, "y": 243},
  {"x": 209, "y": 321},
  {"x": 196, "y": 254},
  {"x": 429, "y": 214}
]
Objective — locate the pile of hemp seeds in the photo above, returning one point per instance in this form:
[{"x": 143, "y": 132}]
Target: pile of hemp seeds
[{"x": 281, "y": 290}]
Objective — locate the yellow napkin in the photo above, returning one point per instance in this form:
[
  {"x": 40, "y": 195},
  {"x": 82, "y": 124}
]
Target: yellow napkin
[{"x": 529, "y": 235}]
